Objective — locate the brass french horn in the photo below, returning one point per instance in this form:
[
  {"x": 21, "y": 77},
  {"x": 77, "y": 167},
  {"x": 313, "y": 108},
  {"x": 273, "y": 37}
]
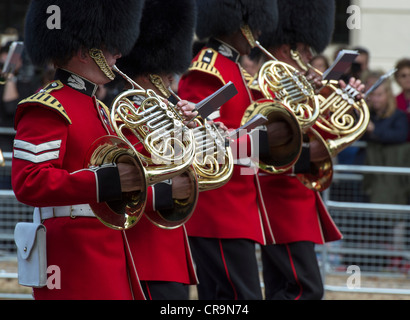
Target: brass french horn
[
  {"x": 213, "y": 161},
  {"x": 169, "y": 150},
  {"x": 280, "y": 81},
  {"x": 125, "y": 213},
  {"x": 342, "y": 121},
  {"x": 289, "y": 98},
  {"x": 283, "y": 157}
]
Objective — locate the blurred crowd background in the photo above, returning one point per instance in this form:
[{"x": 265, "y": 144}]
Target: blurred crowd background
[{"x": 374, "y": 28}]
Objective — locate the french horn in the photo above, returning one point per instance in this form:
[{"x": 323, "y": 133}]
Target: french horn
[
  {"x": 213, "y": 161},
  {"x": 283, "y": 157},
  {"x": 288, "y": 98},
  {"x": 168, "y": 151},
  {"x": 342, "y": 120},
  {"x": 280, "y": 81}
]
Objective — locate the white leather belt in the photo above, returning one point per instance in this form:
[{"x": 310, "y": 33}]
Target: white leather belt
[
  {"x": 244, "y": 162},
  {"x": 81, "y": 210}
]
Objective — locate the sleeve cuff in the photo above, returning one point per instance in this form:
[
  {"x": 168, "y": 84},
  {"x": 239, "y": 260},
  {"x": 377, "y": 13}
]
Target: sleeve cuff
[
  {"x": 163, "y": 196},
  {"x": 260, "y": 147},
  {"x": 108, "y": 183},
  {"x": 303, "y": 163}
]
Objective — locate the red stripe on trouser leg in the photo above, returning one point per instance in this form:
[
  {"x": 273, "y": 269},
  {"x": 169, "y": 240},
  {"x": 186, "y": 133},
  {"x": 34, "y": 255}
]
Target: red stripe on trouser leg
[
  {"x": 294, "y": 273},
  {"x": 148, "y": 290},
  {"x": 226, "y": 270}
]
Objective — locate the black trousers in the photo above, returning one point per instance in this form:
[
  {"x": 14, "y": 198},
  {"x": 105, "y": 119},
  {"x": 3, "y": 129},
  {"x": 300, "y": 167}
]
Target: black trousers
[
  {"x": 291, "y": 272},
  {"x": 162, "y": 290},
  {"x": 227, "y": 269}
]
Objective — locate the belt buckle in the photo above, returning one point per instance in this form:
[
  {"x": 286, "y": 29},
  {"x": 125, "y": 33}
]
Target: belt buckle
[{"x": 71, "y": 213}]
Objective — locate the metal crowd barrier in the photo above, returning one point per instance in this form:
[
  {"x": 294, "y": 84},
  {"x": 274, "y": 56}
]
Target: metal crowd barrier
[
  {"x": 11, "y": 212},
  {"x": 376, "y": 237}
]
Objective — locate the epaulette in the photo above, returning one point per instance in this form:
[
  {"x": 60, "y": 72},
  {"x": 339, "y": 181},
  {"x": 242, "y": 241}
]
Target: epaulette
[
  {"x": 247, "y": 76},
  {"x": 44, "y": 98},
  {"x": 206, "y": 63},
  {"x": 251, "y": 81},
  {"x": 253, "y": 84}
]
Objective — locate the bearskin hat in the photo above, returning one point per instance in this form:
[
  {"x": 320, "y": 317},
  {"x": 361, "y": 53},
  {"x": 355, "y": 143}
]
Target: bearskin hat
[
  {"x": 165, "y": 41},
  {"x": 306, "y": 21},
  {"x": 112, "y": 25},
  {"x": 224, "y": 17}
]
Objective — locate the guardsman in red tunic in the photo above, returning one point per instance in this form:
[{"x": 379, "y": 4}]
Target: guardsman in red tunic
[
  {"x": 163, "y": 256},
  {"x": 228, "y": 221},
  {"x": 297, "y": 215},
  {"x": 55, "y": 129}
]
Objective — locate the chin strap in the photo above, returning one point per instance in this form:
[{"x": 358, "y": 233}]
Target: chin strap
[
  {"x": 247, "y": 33},
  {"x": 100, "y": 60},
  {"x": 156, "y": 80},
  {"x": 295, "y": 55}
]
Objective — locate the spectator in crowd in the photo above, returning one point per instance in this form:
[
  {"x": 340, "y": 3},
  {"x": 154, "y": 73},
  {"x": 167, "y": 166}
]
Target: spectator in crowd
[
  {"x": 386, "y": 136},
  {"x": 9, "y": 97},
  {"x": 18, "y": 85},
  {"x": 320, "y": 62},
  {"x": 402, "y": 77},
  {"x": 360, "y": 67}
]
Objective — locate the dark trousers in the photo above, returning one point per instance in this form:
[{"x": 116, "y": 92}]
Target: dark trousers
[
  {"x": 291, "y": 272},
  {"x": 162, "y": 290},
  {"x": 227, "y": 269}
]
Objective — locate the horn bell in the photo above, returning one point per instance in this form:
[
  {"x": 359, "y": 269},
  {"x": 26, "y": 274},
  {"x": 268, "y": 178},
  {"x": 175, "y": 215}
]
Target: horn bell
[
  {"x": 283, "y": 157},
  {"x": 320, "y": 174},
  {"x": 181, "y": 211},
  {"x": 125, "y": 213}
]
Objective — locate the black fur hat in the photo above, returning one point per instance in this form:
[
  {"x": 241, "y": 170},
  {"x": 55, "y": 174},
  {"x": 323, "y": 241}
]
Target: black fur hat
[
  {"x": 113, "y": 25},
  {"x": 165, "y": 41},
  {"x": 224, "y": 17},
  {"x": 306, "y": 21}
]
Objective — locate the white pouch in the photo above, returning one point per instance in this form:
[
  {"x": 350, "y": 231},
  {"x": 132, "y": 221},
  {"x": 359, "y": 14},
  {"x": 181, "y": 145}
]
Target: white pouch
[{"x": 30, "y": 239}]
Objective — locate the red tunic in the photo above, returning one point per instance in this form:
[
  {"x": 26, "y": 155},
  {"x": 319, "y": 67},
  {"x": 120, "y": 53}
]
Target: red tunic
[
  {"x": 234, "y": 210},
  {"x": 295, "y": 212},
  {"x": 160, "y": 254},
  {"x": 55, "y": 128}
]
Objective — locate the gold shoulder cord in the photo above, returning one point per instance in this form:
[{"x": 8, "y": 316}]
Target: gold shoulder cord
[
  {"x": 44, "y": 98},
  {"x": 100, "y": 60}
]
